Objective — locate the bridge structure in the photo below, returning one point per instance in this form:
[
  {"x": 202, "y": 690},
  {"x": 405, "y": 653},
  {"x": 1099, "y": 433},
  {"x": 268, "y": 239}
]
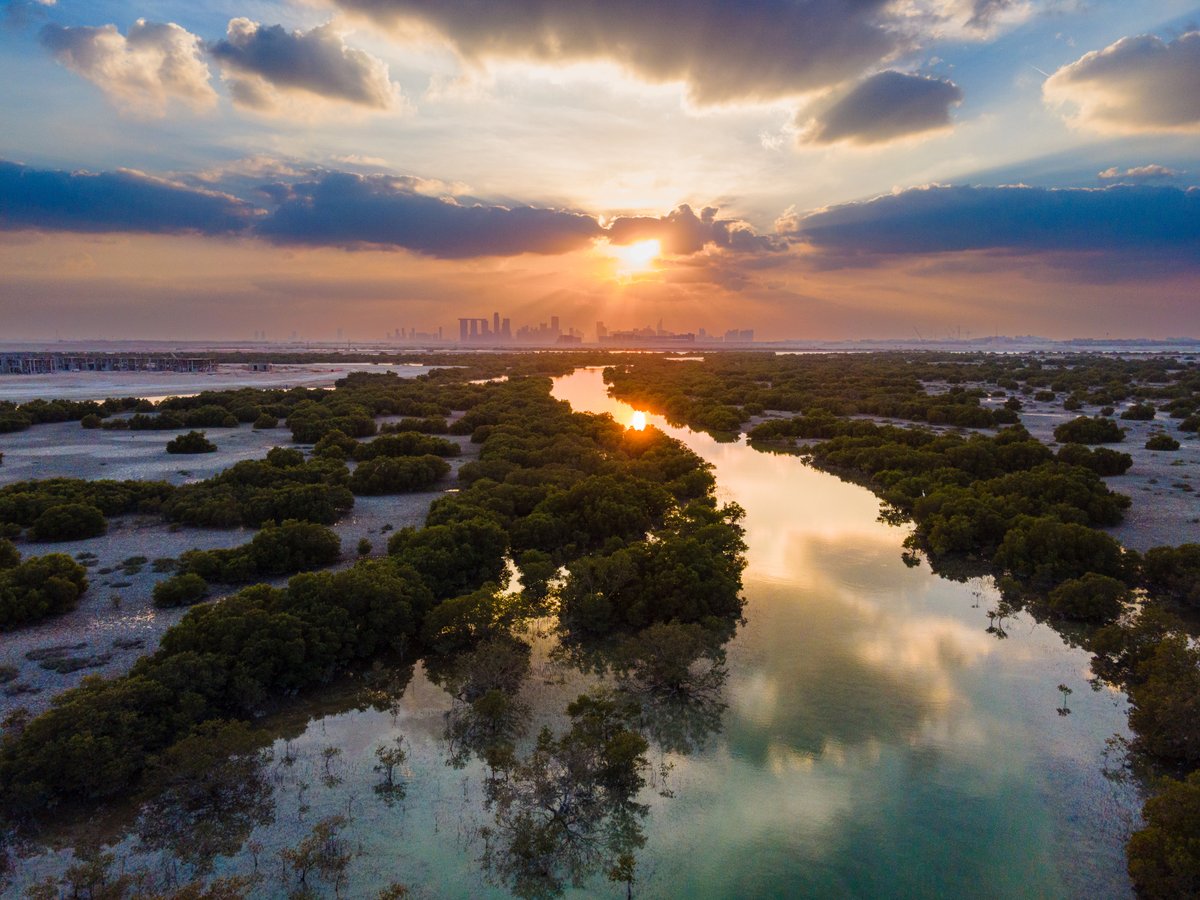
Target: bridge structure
[{"x": 41, "y": 363}]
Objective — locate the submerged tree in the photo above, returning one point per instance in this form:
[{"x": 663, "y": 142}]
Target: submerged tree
[
  {"x": 206, "y": 794},
  {"x": 677, "y": 673},
  {"x": 487, "y": 716},
  {"x": 323, "y": 853},
  {"x": 391, "y": 756},
  {"x": 568, "y": 810}
]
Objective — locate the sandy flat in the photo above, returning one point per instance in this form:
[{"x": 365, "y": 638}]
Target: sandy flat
[
  {"x": 156, "y": 385},
  {"x": 118, "y": 607}
]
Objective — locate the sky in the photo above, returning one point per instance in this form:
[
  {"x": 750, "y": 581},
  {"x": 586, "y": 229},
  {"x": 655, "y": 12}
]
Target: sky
[{"x": 811, "y": 169}]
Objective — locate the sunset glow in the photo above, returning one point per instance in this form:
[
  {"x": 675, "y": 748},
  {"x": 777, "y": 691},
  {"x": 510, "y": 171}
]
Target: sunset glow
[
  {"x": 820, "y": 171},
  {"x": 633, "y": 259},
  {"x": 638, "y": 420}
]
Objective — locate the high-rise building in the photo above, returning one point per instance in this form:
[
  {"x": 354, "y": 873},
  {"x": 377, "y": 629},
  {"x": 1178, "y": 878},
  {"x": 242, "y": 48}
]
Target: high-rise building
[
  {"x": 554, "y": 325},
  {"x": 601, "y": 331},
  {"x": 496, "y": 323}
]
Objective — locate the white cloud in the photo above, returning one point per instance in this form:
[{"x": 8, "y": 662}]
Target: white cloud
[
  {"x": 144, "y": 72},
  {"x": 1138, "y": 84}
]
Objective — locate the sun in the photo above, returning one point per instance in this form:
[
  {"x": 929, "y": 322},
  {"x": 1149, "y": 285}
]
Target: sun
[
  {"x": 633, "y": 259},
  {"x": 638, "y": 421}
]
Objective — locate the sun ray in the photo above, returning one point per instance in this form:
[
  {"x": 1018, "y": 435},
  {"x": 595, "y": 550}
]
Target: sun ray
[{"x": 631, "y": 260}]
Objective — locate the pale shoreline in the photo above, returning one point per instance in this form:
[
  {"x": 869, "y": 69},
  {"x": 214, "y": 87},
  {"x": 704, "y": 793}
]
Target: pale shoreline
[{"x": 157, "y": 385}]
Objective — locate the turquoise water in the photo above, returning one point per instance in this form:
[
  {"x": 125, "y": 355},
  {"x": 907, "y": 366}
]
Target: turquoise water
[
  {"x": 872, "y": 739},
  {"x": 878, "y": 741}
]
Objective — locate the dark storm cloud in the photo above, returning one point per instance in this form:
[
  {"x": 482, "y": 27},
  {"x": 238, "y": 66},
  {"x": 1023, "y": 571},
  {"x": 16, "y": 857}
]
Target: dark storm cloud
[
  {"x": 112, "y": 201},
  {"x": 724, "y": 50},
  {"x": 347, "y": 210},
  {"x": 884, "y": 107},
  {"x": 316, "y": 61},
  {"x": 682, "y": 232},
  {"x": 1118, "y": 221},
  {"x": 1137, "y": 84}
]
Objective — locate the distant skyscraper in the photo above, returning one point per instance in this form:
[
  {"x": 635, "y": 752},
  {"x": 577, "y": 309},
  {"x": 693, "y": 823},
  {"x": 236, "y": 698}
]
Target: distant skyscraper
[
  {"x": 601, "y": 331},
  {"x": 554, "y": 324},
  {"x": 506, "y": 329},
  {"x": 496, "y": 323}
]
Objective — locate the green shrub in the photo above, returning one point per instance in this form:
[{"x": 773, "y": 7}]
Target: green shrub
[
  {"x": 388, "y": 475},
  {"x": 293, "y": 546},
  {"x": 1138, "y": 412},
  {"x": 1164, "y": 856},
  {"x": 210, "y": 417},
  {"x": 1092, "y": 597},
  {"x": 285, "y": 457},
  {"x": 91, "y": 420},
  {"x": 1048, "y": 552},
  {"x": 265, "y": 421},
  {"x": 1103, "y": 461},
  {"x": 404, "y": 443},
  {"x": 1173, "y": 573},
  {"x": 22, "y": 502},
  {"x": 1086, "y": 430},
  {"x": 180, "y": 590},
  {"x": 9, "y": 554},
  {"x": 192, "y": 442},
  {"x": 453, "y": 559},
  {"x": 68, "y": 522},
  {"x": 1162, "y": 441},
  {"x": 39, "y": 587},
  {"x": 253, "y": 492}
]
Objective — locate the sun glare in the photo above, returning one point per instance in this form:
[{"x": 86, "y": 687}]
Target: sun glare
[
  {"x": 634, "y": 259},
  {"x": 638, "y": 421}
]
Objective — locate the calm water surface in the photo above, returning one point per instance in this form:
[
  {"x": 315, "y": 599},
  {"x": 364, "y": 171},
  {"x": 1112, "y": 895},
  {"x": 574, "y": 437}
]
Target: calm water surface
[{"x": 877, "y": 741}]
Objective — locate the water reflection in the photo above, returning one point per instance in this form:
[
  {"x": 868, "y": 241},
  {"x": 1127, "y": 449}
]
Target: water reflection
[
  {"x": 861, "y": 736},
  {"x": 878, "y": 741}
]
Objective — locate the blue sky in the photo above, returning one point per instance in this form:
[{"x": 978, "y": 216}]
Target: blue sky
[{"x": 386, "y": 163}]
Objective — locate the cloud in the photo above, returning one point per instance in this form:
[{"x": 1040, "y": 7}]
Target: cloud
[
  {"x": 261, "y": 60},
  {"x": 113, "y": 202},
  {"x": 722, "y": 50},
  {"x": 984, "y": 12},
  {"x": 682, "y": 232},
  {"x": 322, "y": 208},
  {"x": 1152, "y": 172},
  {"x": 882, "y": 108},
  {"x": 342, "y": 209},
  {"x": 1119, "y": 222},
  {"x": 142, "y": 72},
  {"x": 1138, "y": 84}
]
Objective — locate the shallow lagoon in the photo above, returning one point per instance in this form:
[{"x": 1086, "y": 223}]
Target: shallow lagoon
[{"x": 876, "y": 740}]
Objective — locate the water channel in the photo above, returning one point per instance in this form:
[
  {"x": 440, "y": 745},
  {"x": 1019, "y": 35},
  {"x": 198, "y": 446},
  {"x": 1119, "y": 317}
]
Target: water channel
[{"x": 875, "y": 739}]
